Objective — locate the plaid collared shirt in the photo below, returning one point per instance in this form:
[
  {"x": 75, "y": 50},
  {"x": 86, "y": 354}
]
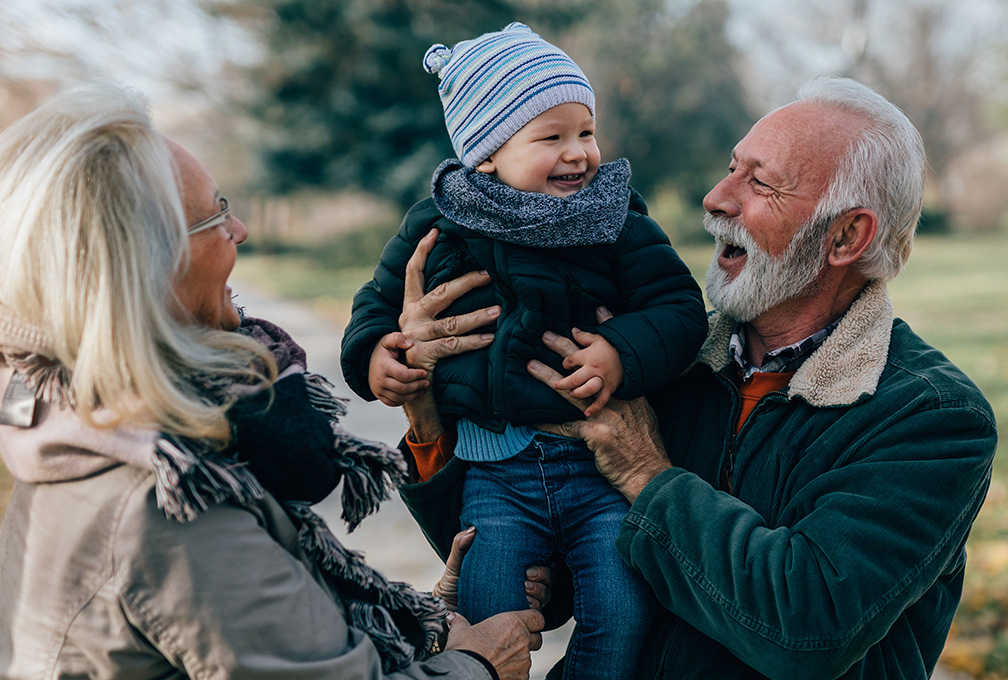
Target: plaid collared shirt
[{"x": 778, "y": 360}]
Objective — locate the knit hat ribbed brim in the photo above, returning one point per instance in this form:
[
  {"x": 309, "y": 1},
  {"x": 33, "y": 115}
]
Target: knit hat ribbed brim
[{"x": 491, "y": 86}]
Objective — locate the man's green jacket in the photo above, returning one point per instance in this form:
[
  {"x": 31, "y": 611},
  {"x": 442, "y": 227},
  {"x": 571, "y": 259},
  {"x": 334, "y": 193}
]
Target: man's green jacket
[{"x": 840, "y": 552}]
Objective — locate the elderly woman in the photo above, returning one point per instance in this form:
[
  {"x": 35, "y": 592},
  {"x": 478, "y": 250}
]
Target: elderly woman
[{"x": 135, "y": 542}]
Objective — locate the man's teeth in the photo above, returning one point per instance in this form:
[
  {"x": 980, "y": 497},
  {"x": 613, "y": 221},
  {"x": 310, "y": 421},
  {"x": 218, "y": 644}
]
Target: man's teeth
[
  {"x": 568, "y": 178},
  {"x": 732, "y": 250}
]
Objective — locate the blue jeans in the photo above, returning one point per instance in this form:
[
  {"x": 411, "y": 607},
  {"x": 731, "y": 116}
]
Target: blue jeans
[{"x": 549, "y": 502}]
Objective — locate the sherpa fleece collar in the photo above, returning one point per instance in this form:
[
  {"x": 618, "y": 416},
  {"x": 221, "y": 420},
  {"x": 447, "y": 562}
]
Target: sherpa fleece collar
[{"x": 846, "y": 366}]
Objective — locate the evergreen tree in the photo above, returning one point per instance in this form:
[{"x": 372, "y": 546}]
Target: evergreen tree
[
  {"x": 343, "y": 99},
  {"x": 670, "y": 97},
  {"x": 342, "y": 95}
]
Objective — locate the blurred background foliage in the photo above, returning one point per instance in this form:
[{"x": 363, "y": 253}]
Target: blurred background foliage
[
  {"x": 343, "y": 102},
  {"x": 319, "y": 122},
  {"x": 302, "y": 105},
  {"x": 339, "y": 100}
]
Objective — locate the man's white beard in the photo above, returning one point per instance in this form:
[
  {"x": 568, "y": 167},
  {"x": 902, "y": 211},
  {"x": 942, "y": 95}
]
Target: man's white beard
[{"x": 765, "y": 281}]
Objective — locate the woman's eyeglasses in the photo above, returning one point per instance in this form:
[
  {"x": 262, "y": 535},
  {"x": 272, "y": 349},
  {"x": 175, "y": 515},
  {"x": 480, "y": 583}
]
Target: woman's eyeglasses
[{"x": 223, "y": 217}]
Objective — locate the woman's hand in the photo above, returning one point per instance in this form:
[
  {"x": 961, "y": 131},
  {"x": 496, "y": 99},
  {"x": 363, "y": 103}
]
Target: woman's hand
[
  {"x": 505, "y": 640},
  {"x": 537, "y": 586},
  {"x": 623, "y": 435}
]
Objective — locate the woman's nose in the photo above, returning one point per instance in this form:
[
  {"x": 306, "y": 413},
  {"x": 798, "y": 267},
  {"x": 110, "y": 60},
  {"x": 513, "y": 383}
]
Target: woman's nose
[{"x": 239, "y": 232}]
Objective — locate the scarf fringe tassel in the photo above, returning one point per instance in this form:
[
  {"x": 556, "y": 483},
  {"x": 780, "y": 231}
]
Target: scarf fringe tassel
[
  {"x": 49, "y": 378},
  {"x": 191, "y": 477}
]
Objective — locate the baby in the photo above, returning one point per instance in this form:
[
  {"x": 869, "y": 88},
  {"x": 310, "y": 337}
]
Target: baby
[{"x": 560, "y": 235}]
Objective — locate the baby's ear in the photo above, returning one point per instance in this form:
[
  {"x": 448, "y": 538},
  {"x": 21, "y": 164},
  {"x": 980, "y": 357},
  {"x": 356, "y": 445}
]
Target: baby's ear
[{"x": 487, "y": 166}]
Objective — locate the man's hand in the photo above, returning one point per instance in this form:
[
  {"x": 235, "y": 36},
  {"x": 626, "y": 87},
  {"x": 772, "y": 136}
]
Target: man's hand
[
  {"x": 426, "y": 339},
  {"x": 389, "y": 379},
  {"x": 504, "y": 640},
  {"x": 537, "y": 587},
  {"x": 598, "y": 370},
  {"x": 432, "y": 338},
  {"x": 623, "y": 435}
]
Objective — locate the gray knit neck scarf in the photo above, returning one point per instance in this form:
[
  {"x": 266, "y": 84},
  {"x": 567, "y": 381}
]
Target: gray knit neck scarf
[
  {"x": 486, "y": 205},
  {"x": 289, "y": 448}
]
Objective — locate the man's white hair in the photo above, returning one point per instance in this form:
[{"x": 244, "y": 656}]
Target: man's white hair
[
  {"x": 92, "y": 239},
  {"x": 884, "y": 170}
]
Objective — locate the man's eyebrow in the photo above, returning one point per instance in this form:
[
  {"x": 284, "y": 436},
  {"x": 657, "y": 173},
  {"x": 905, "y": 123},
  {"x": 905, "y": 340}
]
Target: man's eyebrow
[{"x": 755, "y": 162}]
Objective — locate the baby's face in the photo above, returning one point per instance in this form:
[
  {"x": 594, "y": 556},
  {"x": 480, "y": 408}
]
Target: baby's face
[{"x": 555, "y": 153}]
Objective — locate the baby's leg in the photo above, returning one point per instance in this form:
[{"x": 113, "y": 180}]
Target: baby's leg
[
  {"x": 613, "y": 605},
  {"x": 504, "y": 501}
]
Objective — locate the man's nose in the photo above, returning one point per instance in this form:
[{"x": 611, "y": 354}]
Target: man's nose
[{"x": 721, "y": 199}]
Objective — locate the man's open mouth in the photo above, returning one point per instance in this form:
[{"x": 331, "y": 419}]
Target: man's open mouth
[
  {"x": 732, "y": 250},
  {"x": 568, "y": 178}
]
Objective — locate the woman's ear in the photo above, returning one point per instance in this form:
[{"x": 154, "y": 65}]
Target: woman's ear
[{"x": 487, "y": 166}]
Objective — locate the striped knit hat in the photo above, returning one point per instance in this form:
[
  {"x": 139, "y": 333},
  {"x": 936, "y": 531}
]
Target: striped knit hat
[{"x": 491, "y": 86}]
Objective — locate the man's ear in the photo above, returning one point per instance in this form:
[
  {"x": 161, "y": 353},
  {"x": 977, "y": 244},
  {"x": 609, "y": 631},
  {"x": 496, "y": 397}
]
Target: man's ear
[
  {"x": 487, "y": 166},
  {"x": 851, "y": 235}
]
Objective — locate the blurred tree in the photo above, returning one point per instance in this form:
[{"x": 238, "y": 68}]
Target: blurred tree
[
  {"x": 342, "y": 96},
  {"x": 670, "y": 97},
  {"x": 343, "y": 100}
]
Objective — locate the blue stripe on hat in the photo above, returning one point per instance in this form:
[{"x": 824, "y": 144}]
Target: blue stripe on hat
[
  {"x": 489, "y": 126},
  {"x": 488, "y": 70},
  {"x": 499, "y": 110},
  {"x": 493, "y": 94}
]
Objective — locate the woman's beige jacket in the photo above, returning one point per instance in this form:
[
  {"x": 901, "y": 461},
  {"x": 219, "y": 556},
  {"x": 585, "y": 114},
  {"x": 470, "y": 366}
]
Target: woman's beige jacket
[{"x": 96, "y": 582}]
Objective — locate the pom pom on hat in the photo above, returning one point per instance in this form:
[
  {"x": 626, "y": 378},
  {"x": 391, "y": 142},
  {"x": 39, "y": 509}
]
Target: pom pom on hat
[
  {"x": 436, "y": 58},
  {"x": 491, "y": 86}
]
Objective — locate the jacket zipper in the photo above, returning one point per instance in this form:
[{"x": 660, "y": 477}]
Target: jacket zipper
[
  {"x": 728, "y": 469},
  {"x": 500, "y": 343},
  {"x": 573, "y": 297}
]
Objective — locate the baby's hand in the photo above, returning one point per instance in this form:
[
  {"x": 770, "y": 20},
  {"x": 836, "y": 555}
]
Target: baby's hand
[
  {"x": 599, "y": 371},
  {"x": 390, "y": 380}
]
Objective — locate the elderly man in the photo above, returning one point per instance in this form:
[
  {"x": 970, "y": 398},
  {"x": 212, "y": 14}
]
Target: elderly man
[{"x": 802, "y": 494}]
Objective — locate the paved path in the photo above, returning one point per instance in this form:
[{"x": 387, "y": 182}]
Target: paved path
[{"x": 390, "y": 539}]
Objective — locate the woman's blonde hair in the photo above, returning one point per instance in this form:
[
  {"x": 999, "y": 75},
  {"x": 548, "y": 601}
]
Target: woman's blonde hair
[{"x": 92, "y": 239}]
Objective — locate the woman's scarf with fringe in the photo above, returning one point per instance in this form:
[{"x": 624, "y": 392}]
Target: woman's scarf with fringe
[{"x": 287, "y": 441}]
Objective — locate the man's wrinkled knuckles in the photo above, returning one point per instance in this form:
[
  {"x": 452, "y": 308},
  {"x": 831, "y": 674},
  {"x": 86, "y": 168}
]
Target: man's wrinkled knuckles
[
  {"x": 448, "y": 326},
  {"x": 572, "y": 428},
  {"x": 444, "y": 347}
]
